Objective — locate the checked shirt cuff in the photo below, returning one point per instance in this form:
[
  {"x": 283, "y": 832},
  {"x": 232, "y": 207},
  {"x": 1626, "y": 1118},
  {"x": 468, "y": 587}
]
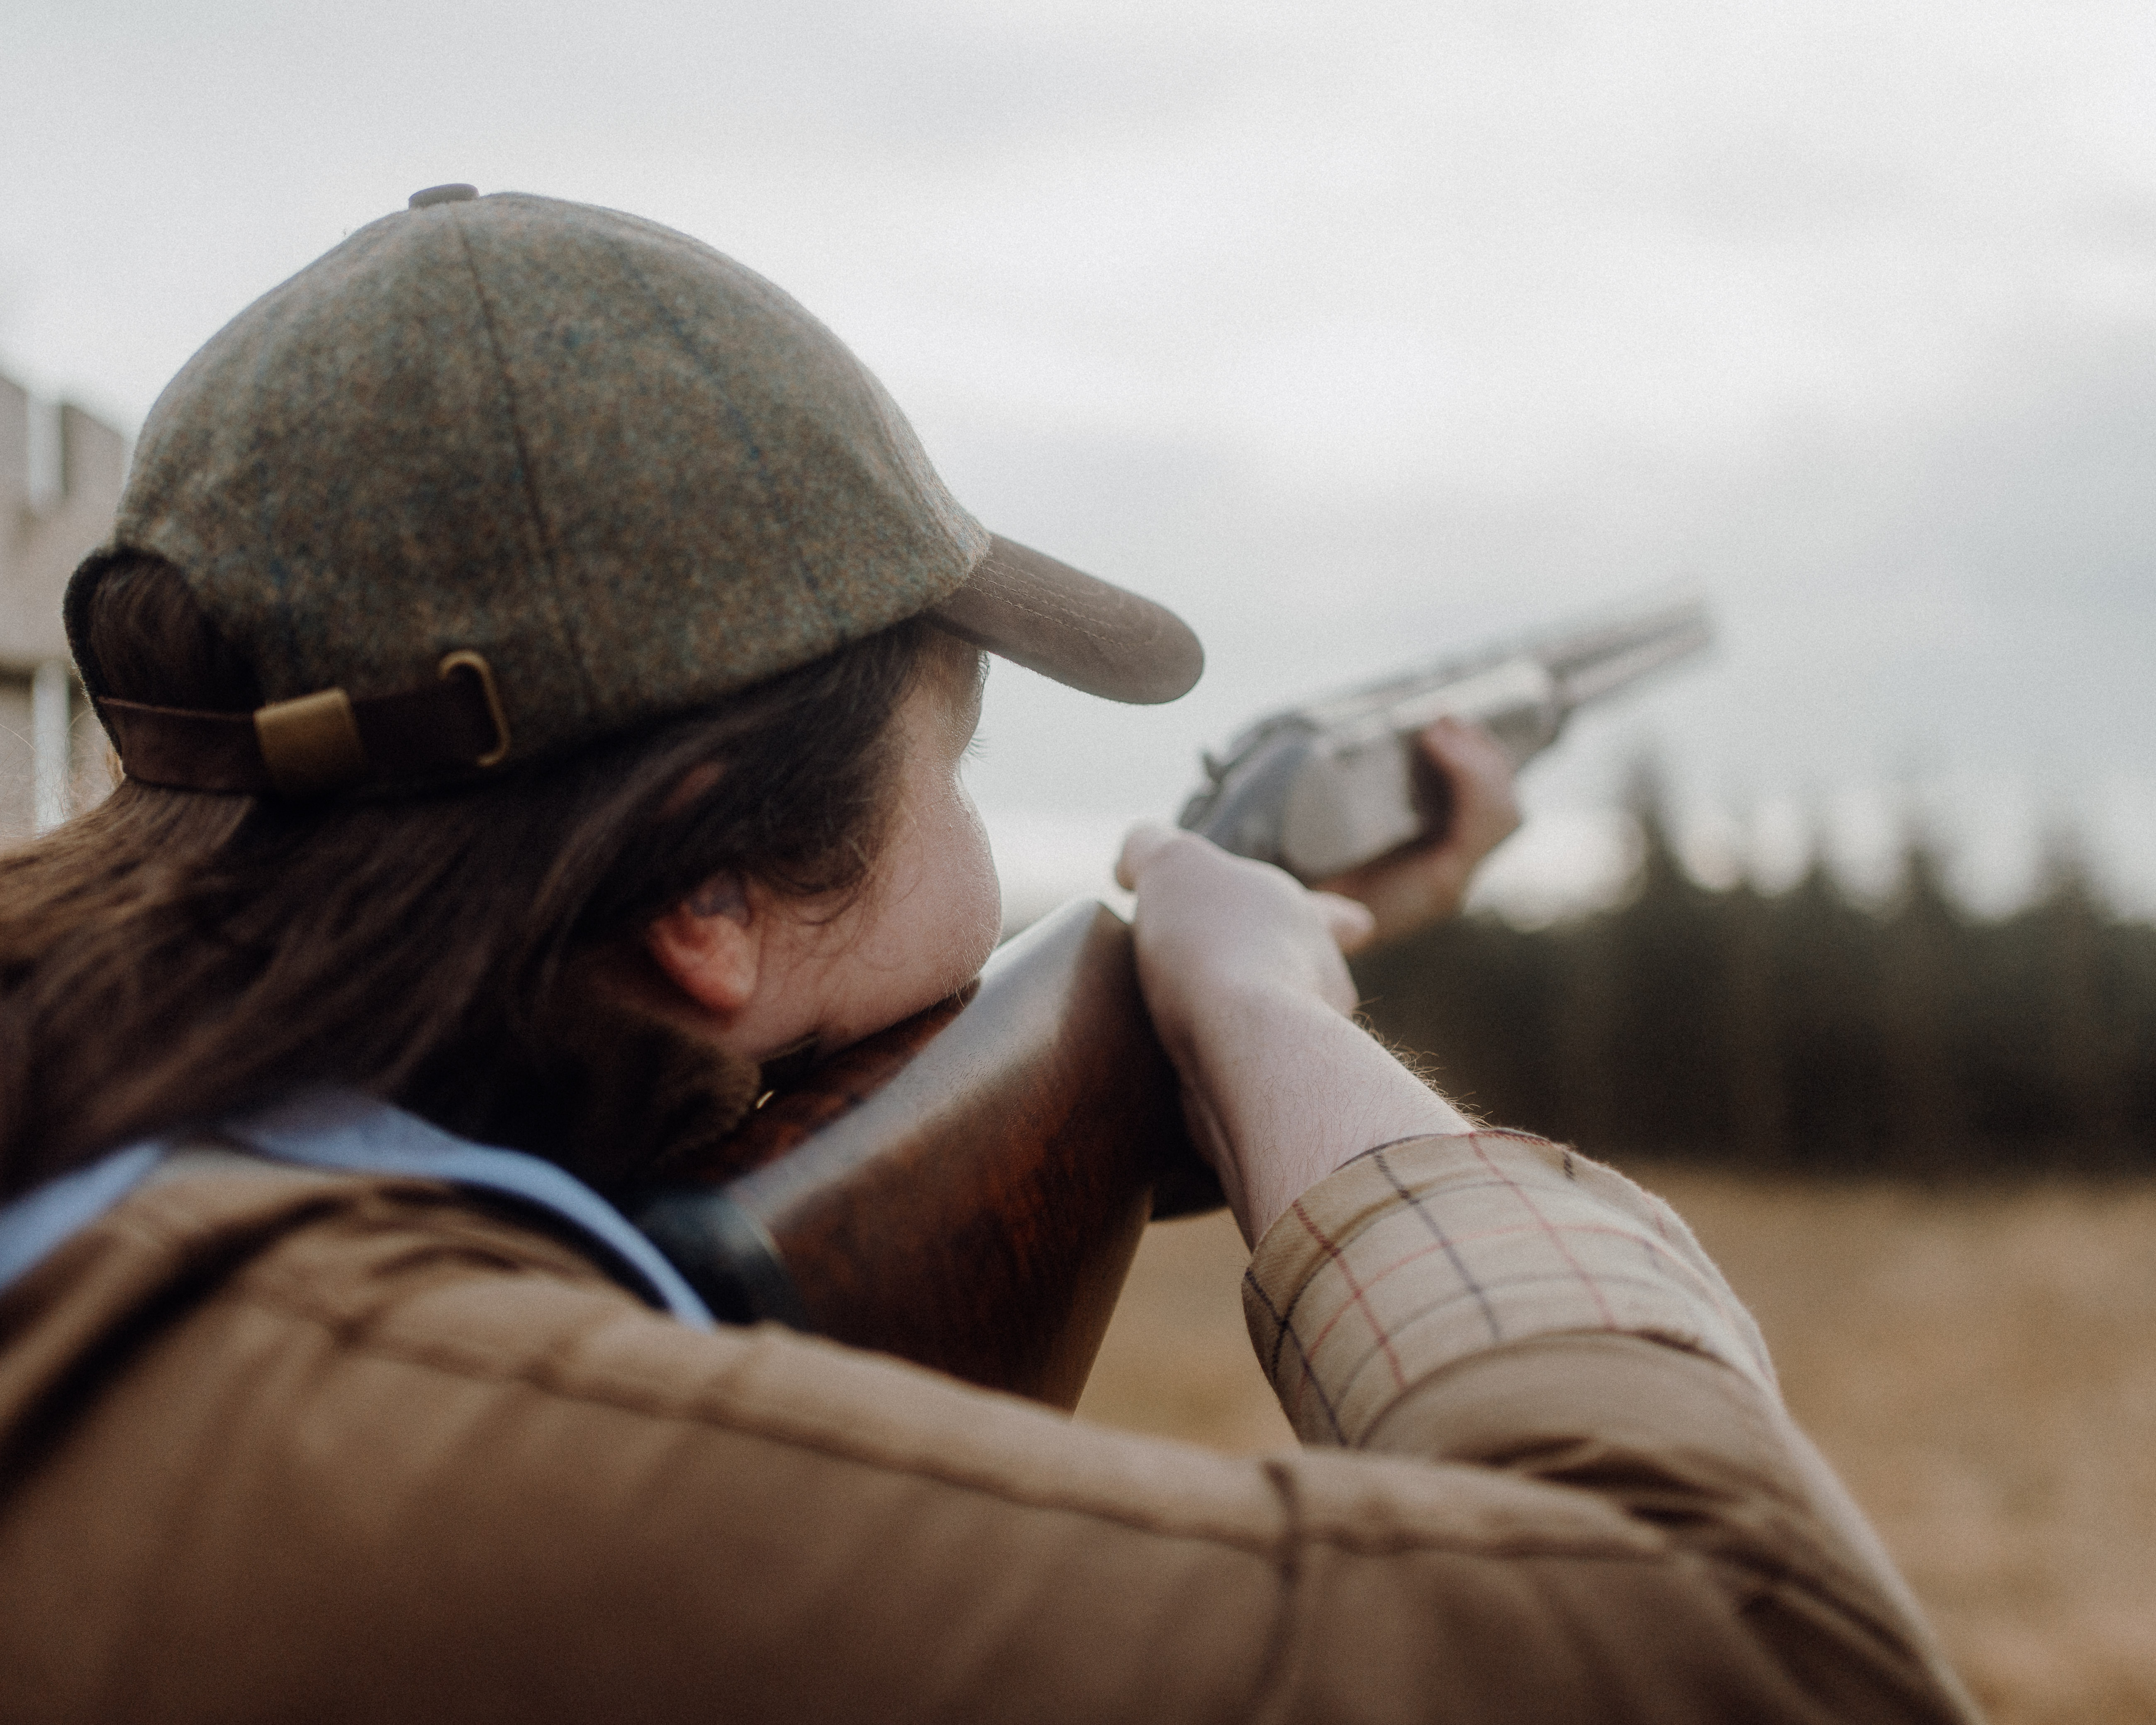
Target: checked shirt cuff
[{"x": 1418, "y": 1253}]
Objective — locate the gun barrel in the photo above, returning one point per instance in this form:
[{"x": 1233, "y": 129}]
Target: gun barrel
[
  {"x": 1608, "y": 675},
  {"x": 1598, "y": 662}
]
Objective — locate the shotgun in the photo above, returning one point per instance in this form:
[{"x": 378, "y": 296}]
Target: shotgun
[{"x": 966, "y": 1189}]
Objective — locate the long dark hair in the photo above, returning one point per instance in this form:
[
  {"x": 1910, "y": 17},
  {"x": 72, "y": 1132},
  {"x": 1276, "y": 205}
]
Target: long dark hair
[{"x": 172, "y": 958}]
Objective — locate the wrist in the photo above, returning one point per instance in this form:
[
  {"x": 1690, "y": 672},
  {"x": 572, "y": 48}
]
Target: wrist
[
  {"x": 1292, "y": 1089},
  {"x": 1230, "y": 1015}
]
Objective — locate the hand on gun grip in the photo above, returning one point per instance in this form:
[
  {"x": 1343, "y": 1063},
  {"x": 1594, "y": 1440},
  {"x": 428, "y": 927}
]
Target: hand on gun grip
[
  {"x": 1243, "y": 976},
  {"x": 1223, "y": 944},
  {"x": 1210, "y": 925},
  {"x": 1425, "y": 884}
]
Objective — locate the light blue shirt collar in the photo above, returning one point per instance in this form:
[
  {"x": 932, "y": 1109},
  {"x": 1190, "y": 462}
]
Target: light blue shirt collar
[{"x": 339, "y": 1131}]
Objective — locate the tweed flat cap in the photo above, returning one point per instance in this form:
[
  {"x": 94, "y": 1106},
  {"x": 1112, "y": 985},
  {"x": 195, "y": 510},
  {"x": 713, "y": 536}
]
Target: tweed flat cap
[{"x": 571, "y": 470}]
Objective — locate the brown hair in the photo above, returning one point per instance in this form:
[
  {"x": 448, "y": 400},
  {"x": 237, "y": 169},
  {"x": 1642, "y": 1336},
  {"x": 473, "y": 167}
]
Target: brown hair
[{"x": 172, "y": 957}]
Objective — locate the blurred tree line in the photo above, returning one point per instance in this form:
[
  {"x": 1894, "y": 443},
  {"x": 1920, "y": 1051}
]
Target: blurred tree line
[{"x": 1797, "y": 1030}]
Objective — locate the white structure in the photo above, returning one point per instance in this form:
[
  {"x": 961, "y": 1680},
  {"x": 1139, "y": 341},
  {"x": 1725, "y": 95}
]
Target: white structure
[{"x": 52, "y": 753}]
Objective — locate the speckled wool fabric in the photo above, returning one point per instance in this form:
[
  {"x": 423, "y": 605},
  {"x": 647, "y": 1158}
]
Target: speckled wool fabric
[
  {"x": 632, "y": 474},
  {"x": 1418, "y": 1255}
]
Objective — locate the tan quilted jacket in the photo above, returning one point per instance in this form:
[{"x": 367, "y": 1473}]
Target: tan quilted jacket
[{"x": 277, "y": 1445}]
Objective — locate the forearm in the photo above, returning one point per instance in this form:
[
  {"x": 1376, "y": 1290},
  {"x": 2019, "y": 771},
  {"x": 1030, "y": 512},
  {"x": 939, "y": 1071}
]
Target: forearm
[{"x": 1290, "y": 1090}]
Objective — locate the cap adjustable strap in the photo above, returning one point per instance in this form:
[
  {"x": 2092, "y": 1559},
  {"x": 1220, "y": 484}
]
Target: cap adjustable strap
[{"x": 318, "y": 743}]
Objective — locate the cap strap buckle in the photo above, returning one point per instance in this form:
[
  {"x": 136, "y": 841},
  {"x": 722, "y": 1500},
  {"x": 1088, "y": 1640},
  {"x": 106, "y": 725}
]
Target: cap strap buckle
[
  {"x": 318, "y": 744},
  {"x": 463, "y": 659}
]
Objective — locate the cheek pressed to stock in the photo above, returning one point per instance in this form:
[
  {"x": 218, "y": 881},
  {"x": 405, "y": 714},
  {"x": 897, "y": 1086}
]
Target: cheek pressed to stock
[
  {"x": 758, "y": 972},
  {"x": 928, "y": 916},
  {"x": 933, "y": 907}
]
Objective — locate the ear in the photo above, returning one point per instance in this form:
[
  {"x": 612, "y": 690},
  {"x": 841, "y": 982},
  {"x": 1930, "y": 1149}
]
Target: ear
[{"x": 711, "y": 946}]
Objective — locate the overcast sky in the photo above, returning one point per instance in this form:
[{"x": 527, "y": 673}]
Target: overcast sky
[{"x": 1355, "y": 331}]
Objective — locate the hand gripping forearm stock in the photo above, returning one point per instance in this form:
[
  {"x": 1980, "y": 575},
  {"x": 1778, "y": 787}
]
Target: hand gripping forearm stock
[{"x": 966, "y": 1189}]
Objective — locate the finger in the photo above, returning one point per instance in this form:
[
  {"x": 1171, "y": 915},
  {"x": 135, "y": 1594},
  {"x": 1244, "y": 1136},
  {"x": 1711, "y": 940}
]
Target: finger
[
  {"x": 1350, "y": 924},
  {"x": 1480, "y": 772},
  {"x": 1467, "y": 749},
  {"x": 1141, "y": 844}
]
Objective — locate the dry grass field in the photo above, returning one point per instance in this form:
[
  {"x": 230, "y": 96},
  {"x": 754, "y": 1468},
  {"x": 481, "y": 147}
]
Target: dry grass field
[{"x": 1981, "y": 1365}]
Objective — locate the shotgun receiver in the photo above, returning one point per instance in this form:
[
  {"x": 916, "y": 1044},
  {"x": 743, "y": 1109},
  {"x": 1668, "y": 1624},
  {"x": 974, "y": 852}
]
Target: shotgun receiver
[{"x": 1338, "y": 782}]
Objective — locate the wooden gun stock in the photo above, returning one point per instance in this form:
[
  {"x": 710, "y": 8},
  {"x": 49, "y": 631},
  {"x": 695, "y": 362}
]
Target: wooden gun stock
[{"x": 966, "y": 1189}]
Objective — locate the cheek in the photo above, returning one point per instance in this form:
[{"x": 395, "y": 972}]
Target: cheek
[
  {"x": 975, "y": 904},
  {"x": 936, "y": 912}
]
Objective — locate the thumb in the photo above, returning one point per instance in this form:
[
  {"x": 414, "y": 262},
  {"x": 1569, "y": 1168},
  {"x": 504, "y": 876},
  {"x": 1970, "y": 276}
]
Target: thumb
[
  {"x": 1141, "y": 844},
  {"x": 1350, "y": 924}
]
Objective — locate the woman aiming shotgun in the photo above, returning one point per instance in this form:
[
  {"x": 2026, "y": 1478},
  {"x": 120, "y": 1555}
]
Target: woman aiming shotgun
[{"x": 540, "y": 657}]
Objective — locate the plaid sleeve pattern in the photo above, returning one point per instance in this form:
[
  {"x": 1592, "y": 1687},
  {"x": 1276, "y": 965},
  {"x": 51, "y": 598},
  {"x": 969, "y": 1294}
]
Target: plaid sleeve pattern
[{"x": 1418, "y": 1253}]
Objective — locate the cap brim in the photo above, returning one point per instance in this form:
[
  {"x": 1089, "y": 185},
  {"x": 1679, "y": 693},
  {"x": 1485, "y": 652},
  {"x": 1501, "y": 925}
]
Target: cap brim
[{"x": 1081, "y": 631}]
